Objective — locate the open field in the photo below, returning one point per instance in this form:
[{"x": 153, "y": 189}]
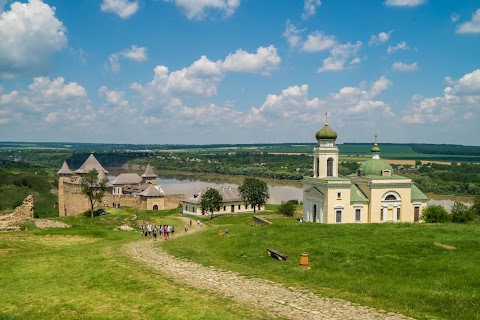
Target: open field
[
  {"x": 394, "y": 267},
  {"x": 81, "y": 272}
]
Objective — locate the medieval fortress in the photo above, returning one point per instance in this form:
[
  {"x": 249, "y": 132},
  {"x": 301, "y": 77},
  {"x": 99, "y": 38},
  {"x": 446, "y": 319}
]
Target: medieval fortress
[{"x": 128, "y": 189}]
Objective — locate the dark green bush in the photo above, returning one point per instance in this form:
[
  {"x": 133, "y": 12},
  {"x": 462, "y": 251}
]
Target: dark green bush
[
  {"x": 435, "y": 214},
  {"x": 461, "y": 213},
  {"x": 286, "y": 208}
]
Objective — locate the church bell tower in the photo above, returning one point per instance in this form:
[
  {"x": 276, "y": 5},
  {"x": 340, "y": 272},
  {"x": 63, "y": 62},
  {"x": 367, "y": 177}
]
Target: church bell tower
[{"x": 325, "y": 163}]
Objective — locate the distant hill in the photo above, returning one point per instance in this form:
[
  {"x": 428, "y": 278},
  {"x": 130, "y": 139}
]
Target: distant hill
[{"x": 19, "y": 179}]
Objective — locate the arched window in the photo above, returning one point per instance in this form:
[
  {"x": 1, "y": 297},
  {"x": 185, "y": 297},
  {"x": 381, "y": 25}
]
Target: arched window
[
  {"x": 330, "y": 167},
  {"x": 390, "y": 197}
]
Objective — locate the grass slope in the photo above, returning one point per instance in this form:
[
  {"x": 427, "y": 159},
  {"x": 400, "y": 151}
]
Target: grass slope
[
  {"x": 83, "y": 273},
  {"x": 395, "y": 267}
]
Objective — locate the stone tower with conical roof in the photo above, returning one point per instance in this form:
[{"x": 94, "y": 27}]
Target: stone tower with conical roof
[
  {"x": 325, "y": 163},
  {"x": 64, "y": 174},
  {"x": 149, "y": 176}
]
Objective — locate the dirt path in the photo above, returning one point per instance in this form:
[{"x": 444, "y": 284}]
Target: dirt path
[{"x": 275, "y": 299}]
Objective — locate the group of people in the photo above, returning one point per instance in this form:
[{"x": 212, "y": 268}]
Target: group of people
[{"x": 154, "y": 230}]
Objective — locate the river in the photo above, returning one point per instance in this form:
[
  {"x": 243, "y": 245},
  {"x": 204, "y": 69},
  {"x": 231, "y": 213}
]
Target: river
[{"x": 280, "y": 190}]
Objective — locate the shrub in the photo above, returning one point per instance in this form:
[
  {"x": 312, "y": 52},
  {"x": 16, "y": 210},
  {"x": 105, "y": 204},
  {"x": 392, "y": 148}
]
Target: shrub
[
  {"x": 294, "y": 202},
  {"x": 286, "y": 208},
  {"x": 435, "y": 214},
  {"x": 461, "y": 213}
]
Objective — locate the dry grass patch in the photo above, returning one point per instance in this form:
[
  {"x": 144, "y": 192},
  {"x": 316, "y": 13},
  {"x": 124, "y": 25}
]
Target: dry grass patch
[{"x": 444, "y": 246}]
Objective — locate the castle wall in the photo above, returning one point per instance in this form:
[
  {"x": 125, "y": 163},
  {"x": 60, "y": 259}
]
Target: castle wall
[{"x": 173, "y": 200}]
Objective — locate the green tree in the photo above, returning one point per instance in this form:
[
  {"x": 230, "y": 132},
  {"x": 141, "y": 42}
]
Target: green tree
[
  {"x": 93, "y": 188},
  {"x": 435, "y": 214},
  {"x": 211, "y": 201},
  {"x": 476, "y": 206},
  {"x": 462, "y": 213},
  {"x": 254, "y": 192},
  {"x": 286, "y": 208}
]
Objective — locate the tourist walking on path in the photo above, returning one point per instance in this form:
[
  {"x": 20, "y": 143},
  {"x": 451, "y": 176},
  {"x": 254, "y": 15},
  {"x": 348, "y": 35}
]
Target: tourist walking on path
[
  {"x": 173, "y": 230},
  {"x": 154, "y": 233},
  {"x": 149, "y": 229},
  {"x": 142, "y": 230},
  {"x": 186, "y": 228}
]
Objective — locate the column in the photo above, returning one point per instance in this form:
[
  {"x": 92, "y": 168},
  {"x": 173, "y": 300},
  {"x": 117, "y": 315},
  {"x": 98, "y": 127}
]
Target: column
[
  {"x": 315, "y": 166},
  {"x": 395, "y": 208},
  {"x": 385, "y": 213}
]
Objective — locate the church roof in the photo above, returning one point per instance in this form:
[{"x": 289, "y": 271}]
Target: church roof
[
  {"x": 149, "y": 172},
  {"x": 64, "y": 169},
  {"x": 89, "y": 164},
  {"x": 326, "y": 133},
  {"x": 356, "y": 195},
  {"x": 127, "y": 178},
  {"x": 374, "y": 167},
  {"x": 151, "y": 191},
  {"x": 417, "y": 194}
]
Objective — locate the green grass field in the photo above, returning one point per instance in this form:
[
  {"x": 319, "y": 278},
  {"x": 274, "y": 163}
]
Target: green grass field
[
  {"x": 394, "y": 267},
  {"x": 83, "y": 273}
]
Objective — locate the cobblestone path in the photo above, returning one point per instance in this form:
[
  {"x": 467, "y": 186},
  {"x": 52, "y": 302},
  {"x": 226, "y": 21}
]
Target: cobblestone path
[{"x": 273, "y": 298}]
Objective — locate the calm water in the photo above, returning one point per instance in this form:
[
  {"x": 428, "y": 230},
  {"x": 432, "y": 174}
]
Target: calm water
[{"x": 191, "y": 183}]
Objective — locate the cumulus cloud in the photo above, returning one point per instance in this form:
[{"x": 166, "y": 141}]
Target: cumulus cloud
[
  {"x": 264, "y": 61},
  {"x": 404, "y": 67},
  {"x": 50, "y": 101},
  {"x": 204, "y": 75},
  {"x": 399, "y": 46},
  {"x": 310, "y": 8},
  {"x": 472, "y": 26},
  {"x": 340, "y": 55},
  {"x": 454, "y": 17},
  {"x": 122, "y": 8},
  {"x": 350, "y": 103},
  {"x": 29, "y": 35},
  {"x": 317, "y": 41},
  {"x": 199, "y": 9},
  {"x": 135, "y": 53},
  {"x": 404, "y": 3},
  {"x": 459, "y": 101},
  {"x": 293, "y": 35},
  {"x": 378, "y": 39}
]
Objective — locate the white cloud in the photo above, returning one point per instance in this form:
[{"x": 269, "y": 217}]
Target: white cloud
[
  {"x": 198, "y": 9},
  {"x": 135, "y": 53},
  {"x": 379, "y": 39},
  {"x": 204, "y": 75},
  {"x": 404, "y": 67},
  {"x": 472, "y": 26},
  {"x": 310, "y": 8},
  {"x": 317, "y": 41},
  {"x": 459, "y": 102},
  {"x": 264, "y": 61},
  {"x": 122, "y": 8},
  {"x": 349, "y": 103},
  {"x": 29, "y": 35},
  {"x": 454, "y": 17},
  {"x": 404, "y": 3},
  {"x": 399, "y": 46},
  {"x": 340, "y": 55},
  {"x": 293, "y": 35}
]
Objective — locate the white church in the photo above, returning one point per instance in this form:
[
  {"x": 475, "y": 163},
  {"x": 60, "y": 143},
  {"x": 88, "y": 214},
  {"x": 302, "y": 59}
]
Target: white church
[{"x": 373, "y": 195}]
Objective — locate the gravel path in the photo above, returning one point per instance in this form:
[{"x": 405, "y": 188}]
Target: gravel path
[{"x": 275, "y": 299}]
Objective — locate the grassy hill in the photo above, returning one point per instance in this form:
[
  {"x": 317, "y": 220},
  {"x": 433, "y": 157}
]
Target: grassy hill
[
  {"x": 392, "y": 266},
  {"x": 18, "y": 180}
]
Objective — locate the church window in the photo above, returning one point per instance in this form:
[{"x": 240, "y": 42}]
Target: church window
[
  {"x": 390, "y": 197},
  {"x": 330, "y": 167},
  {"x": 338, "y": 216},
  {"x": 339, "y": 195},
  {"x": 359, "y": 172},
  {"x": 398, "y": 213},
  {"x": 358, "y": 214},
  {"x": 386, "y": 173},
  {"x": 317, "y": 167},
  {"x": 381, "y": 214}
]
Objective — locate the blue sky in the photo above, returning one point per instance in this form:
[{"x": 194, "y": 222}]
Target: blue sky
[{"x": 239, "y": 71}]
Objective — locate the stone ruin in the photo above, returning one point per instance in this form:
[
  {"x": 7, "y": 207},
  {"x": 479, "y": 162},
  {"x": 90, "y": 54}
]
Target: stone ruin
[{"x": 22, "y": 213}]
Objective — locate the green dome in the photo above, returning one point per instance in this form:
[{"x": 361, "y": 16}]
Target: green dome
[
  {"x": 326, "y": 133},
  {"x": 375, "y": 148},
  {"x": 374, "y": 167}
]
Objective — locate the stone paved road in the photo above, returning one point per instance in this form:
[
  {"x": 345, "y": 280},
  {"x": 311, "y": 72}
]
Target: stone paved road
[{"x": 275, "y": 299}]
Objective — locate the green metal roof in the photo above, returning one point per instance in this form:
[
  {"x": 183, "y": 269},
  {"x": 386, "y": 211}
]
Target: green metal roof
[
  {"x": 326, "y": 133},
  {"x": 356, "y": 195},
  {"x": 417, "y": 194},
  {"x": 375, "y": 167}
]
